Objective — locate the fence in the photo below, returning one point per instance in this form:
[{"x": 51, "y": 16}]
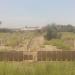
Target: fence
[
  {"x": 56, "y": 55},
  {"x": 37, "y": 56}
]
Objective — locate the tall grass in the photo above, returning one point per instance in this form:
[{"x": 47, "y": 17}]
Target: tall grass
[{"x": 42, "y": 68}]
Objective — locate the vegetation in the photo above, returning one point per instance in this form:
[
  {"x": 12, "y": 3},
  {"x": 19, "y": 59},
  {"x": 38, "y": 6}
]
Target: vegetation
[
  {"x": 53, "y": 30},
  {"x": 50, "y": 68},
  {"x": 60, "y": 44},
  {"x": 54, "y": 35},
  {"x": 61, "y": 36},
  {"x": 68, "y": 35},
  {"x": 60, "y": 28},
  {"x": 18, "y": 40}
]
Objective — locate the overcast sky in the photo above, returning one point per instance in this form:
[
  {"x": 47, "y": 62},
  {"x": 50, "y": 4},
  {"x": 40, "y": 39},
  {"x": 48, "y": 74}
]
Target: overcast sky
[{"x": 18, "y": 13}]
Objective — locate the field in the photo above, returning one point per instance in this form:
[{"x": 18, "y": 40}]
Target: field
[
  {"x": 37, "y": 37},
  {"x": 20, "y": 41},
  {"x": 33, "y": 41},
  {"x": 66, "y": 42},
  {"x": 40, "y": 68},
  {"x": 30, "y": 41}
]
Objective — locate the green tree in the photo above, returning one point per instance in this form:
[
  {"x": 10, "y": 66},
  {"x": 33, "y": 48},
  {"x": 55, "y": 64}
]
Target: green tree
[{"x": 51, "y": 32}]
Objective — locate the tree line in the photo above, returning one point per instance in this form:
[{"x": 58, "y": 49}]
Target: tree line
[{"x": 52, "y": 30}]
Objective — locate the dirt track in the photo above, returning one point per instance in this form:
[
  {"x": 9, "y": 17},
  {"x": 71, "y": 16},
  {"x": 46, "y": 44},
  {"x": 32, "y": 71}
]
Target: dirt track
[{"x": 36, "y": 43}]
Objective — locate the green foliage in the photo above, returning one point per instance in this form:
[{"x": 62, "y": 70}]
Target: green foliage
[
  {"x": 61, "y": 28},
  {"x": 59, "y": 44},
  {"x": 51, "y": 32},
  {"x": 49, "y": 68},
  {"x": 15, "y": 37}
]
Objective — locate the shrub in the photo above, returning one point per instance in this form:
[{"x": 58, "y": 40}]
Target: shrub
[
  {"x": 51, "y": 32},
  {"x": 59, "y": 44}
]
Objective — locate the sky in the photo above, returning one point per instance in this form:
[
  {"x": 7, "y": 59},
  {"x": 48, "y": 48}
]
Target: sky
[{"x": 21, "y": 13}]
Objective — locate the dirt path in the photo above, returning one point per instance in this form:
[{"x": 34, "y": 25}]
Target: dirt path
[{"x": 36, "y": 43}]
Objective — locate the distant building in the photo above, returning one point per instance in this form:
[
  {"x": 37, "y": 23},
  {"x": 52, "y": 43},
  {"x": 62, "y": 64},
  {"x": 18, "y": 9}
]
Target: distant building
[{"x": 30, "y": 28}]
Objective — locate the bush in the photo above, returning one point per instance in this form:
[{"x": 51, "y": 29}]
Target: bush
[
  {"x": 59, "y": 44},
  {"x": 51, "y": 32}
]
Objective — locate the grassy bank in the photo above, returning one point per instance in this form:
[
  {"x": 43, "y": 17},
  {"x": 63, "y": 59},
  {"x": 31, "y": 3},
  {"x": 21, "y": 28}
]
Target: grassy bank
[{"x": 48, "y": 68}]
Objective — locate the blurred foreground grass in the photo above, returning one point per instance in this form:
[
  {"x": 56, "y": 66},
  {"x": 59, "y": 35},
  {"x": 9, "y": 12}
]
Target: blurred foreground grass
[{"x": 40, "y": 68}]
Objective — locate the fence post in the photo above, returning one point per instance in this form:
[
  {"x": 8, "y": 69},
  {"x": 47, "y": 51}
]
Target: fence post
[{"x": 34, "y": 56}]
